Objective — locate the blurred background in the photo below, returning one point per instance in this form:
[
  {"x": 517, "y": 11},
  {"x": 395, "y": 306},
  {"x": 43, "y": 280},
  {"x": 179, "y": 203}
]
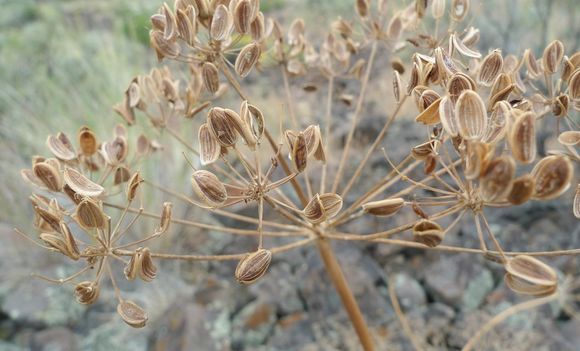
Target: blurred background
[{"x": 64, "y": 64}]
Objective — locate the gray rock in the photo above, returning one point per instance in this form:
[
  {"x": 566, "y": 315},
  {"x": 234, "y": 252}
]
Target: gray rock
[
  {"x": 39, "y": 302},
  {"x": 182, "y": 328},
  {"x": 293, "y": 332},
  {"x": 477, "y": 289},
  {"x": 448, "y": 279},
  {"x": 54, "y": 339},
  {"x": 254, "y": 323},
  {"x": 409, "y": 292},
  {"x": 115, "y": 335}
]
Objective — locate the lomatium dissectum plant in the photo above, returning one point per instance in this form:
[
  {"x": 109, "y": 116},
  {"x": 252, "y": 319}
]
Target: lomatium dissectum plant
[{"x": 481, "y": 113}]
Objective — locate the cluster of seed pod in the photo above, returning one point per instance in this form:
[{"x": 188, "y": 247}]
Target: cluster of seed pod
[
  {"x": 483, "y": 114},
  {"x": 71, "y": 191}
]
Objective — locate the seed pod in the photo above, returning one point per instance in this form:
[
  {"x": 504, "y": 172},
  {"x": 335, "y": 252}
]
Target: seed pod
[
  {"x": 529, "y": 276},
  {"x": 61, "y": 147},
  {"x": 243, "y": 13},
  {"x": 253, "y": 121},
  {"x": 497, "y": 179},
  {"x": 210, "y": 76},
  {"x": 522, "y": 189},
  {"x": 413, "y": 79},
  {"x": 165, "y": 220},
  {"x": 322, "y": 207},
  {"x": 445, "y": 65},
  {"x": 300, "y": 152},
  {"x": 497, "y": 126},
  {"x": 534, "y": 71},
  {"x": 72, "y": 249},
  {"x": 133, "y": 185},
  {"x": 186, "y": 20},
  {"x": 384, "y": 208},
  {"x": 362, "y": 8},
  {"x": 569, "y": 138},
  {"x": 522, "y": 138},
  {"x": 462, "y": 48},
  {"x": 209, "y": 147},
  {"x": 170, "y": 28},
  {"x": 459, "y": 9},
  {"x": 471, "y": 115},
  {"x": 131, "y": 313},
  {"x": 115, "y": 151},
  {"x": 49, "y": 175},
  {"x": 428, "y": 233},
  {"x": 29, "y": 176},
  {"x": 163, "y": 48},
  {"x": 54, "y": 241},
  {"x": 223, "y": 127},
  {"x": 258, "y": 28},
  {"x": 81, "y": 184},
  {"x": 209, "y": 188},
  {"x": 576, "y": 206},
  {"x": 490, "y": 67},
  {"x": 141, "y": 265},
  {"x": 574, "y": 85},
  {"x": 560, "y": 105},
  {"x": 397, "y": 86},
  {"x": 420, "y": 8},
  {"x": 552, "y": 175},
  {"x": 89, "y": 215},
  {"x": 122, "y": 174},
  {"x": 221, "y": 23},
  {"x": 448, "y": 117},
  {"x": 87, "y": 141},
  {"x": 253, "y": 266},
  {"x": 477, "y": 157},
  {"x": 51, "y": 219},
  {"x": 395, "y": 27},
  {"x": 424, "y": 150},
  {"x": 247, "y": 59},
  {"x": 86, "y": 292},
  {"x": 552, "y": 57},
  {"x": 430, "y": 115},
  {"x": 438, "y": 8},
  {"x": 457, "y": 84}
]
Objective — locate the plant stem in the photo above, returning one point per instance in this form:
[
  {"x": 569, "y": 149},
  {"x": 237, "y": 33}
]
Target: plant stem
[
  {"x": 357, "y": 112},
  {"x": 346, "y": 295},
  {"x": 504, "y": 315}
]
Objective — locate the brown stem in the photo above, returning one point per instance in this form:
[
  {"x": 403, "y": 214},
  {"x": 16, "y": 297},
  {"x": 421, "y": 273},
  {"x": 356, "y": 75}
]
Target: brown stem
[
  {"x": 346, "y": 295},
  {"x": 357, "y": 113}
]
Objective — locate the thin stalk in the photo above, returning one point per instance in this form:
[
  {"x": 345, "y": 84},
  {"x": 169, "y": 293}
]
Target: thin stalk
[
  {"x": 504, "y": 315},
  {"x": 220, "y": 212},
  {"x": 289, "y": 97},
  {"x": 228, "y": 230},
  {"x": 327, "y": 119},
  {"x": 371, "y": 149},
  {"x": 357, "y": 113},
  {"x": 349, "y": 302},
  {"x": 402, "y": 318},
  {"x": 231, "y": 257}
]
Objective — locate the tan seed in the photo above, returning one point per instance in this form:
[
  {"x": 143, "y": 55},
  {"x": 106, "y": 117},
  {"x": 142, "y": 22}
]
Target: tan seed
[{"x": 253, "y": 266}]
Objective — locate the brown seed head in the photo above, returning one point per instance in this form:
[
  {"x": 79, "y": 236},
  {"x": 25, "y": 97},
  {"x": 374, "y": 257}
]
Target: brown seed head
[
  {"x": 132, "y": 314},
  {"x": 552, "y": 175},
  {"x": 253, "y": 266},
  {"x": 86, "y": 292},
  {"x": 384, "y": 208},
  {"x": 428, "y": 233},
  {"x": 209, "y": 188}
]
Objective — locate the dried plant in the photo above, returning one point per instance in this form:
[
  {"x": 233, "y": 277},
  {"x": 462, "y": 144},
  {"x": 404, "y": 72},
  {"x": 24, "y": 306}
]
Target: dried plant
[{"x": 482, "y": 114}]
